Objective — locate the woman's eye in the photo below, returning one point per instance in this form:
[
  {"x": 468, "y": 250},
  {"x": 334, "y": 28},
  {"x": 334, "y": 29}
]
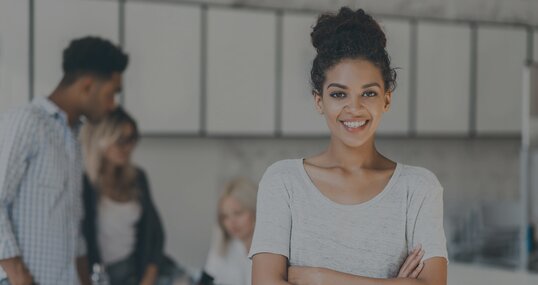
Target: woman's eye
[
  {"x": 369, "y": 94},
  {"x": 338, "y": 94}
]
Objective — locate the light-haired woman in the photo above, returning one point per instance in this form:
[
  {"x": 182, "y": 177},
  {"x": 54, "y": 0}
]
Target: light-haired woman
[
  {"x": 227, "y": 261},
  {"x": 121, "y": 225}
]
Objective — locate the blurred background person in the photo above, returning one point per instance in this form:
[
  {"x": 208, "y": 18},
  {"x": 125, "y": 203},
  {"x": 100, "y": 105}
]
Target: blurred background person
[
  {"x": 41, "y": 168},
  {"x": 122, "y": 226},
  {"x": 227, "y": 261}
]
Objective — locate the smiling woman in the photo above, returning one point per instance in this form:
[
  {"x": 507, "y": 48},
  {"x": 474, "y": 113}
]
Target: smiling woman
[{"x": 349, "y": 215}]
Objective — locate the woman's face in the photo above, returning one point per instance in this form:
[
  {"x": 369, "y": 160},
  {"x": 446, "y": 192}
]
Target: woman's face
[
  {"x": 353, "y": 101},
  {"x": 238, "y": 221},
  {"x": 119, "y": 153}
]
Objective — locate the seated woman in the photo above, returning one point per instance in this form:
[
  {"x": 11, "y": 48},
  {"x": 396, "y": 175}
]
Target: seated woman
[
  {"x": 121, "y": 225},
  {"x": 227, "y": 262}
]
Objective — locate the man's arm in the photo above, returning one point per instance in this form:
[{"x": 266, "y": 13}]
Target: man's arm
[
  {"x": 15, "y": 142},
  {"x": 16, "y": 271}
]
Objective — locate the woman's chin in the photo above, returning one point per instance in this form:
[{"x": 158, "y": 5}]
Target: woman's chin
[
  {"x": 120, "y": 163},
  {"x": 353, "y": 142}
]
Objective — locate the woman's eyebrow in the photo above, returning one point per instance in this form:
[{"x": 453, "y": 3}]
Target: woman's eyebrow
[
  {"x": 371, "y": 85},
  {"x": 345, "y": 87},
  {"x": 337, "y": 85}
]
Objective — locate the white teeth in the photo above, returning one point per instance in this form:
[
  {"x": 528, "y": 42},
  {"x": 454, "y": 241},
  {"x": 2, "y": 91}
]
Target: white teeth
[{"x": 354, "y": 124}]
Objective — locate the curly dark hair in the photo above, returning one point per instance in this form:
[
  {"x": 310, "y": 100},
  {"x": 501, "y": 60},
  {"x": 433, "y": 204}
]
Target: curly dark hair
[
  {"x": 92, "y": 55},
  {"x": 349, "y": 35}
]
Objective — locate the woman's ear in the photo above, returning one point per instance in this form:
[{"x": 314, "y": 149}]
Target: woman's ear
[
  {"x": 318, "y": 102},
  {"x": 388, "y": 100}
]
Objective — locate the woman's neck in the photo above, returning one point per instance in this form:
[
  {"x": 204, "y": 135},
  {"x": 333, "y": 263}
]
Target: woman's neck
[{"x": 340, "y": 155}]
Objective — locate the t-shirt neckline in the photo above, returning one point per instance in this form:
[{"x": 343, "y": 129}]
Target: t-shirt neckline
[{"x": 365, "y": 204}]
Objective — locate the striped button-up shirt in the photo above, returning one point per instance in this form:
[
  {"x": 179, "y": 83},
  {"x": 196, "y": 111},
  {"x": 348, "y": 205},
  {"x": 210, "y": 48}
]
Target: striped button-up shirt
[{"x": 40, "y": 192}]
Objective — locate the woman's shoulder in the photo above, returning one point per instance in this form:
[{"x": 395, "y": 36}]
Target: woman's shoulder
[
  {"x": 419, "y": 178},
  {"x": 140, "y": 172},
  {"x": 282, "y": 171},
  {"x": 284, "y": 166},
  {"x": 141, "y": 179}
]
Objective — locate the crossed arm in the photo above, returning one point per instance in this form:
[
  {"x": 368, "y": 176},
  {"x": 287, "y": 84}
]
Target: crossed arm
[{"x": 272, "y": 269}]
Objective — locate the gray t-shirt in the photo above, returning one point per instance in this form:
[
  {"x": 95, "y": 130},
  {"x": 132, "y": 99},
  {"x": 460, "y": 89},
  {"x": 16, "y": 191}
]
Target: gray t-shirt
[{"x": 371, "y": 239}]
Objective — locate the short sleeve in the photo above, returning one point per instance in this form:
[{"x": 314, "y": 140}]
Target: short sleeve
[
  {"x": 425, "y": 220},
  {"x": 273, "y": 216}
]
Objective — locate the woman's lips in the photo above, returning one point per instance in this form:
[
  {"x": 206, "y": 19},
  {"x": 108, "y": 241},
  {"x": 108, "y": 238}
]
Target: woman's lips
[{"x": 355, "y": 125}]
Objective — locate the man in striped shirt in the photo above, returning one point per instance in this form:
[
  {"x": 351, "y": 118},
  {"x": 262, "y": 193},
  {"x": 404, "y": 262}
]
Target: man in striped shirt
[{"x": 41, "y": 168}]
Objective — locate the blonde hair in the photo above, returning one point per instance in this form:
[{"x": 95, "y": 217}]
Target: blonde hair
[
  {"x": 95, "y": 140},
  {"x": 245, "y": 191}
]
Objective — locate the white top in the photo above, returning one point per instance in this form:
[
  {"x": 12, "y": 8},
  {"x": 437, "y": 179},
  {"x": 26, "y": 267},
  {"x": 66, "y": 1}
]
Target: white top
[
  {"x": 370, "y": 239},
  {"x": 232, "y": 268},
  {"x": 116, "y": 226}
]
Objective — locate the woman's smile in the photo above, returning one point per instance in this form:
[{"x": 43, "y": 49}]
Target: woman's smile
[{"x": 355, "y": 126}]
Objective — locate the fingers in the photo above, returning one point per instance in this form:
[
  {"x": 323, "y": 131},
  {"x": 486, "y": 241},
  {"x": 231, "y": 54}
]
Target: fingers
[
  {"x": 417, "y": 271},
  {"x": 412, "y": 262},
  {"x": 415, "y": 263},
  {"x": 404, "y": 268},
  {"x": 410, "y": 257}
]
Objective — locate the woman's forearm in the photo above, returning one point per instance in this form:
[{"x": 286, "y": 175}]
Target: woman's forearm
[
  {"x": 333, "y": 277},
  {"x": 269, "y": 279},
  {"x": 433, "y": 273},
  {"x": 150, "y": 275},
  {"x": 270, "y": 282}
]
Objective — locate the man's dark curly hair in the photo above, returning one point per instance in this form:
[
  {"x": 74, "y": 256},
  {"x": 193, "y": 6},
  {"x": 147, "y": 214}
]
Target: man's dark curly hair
[
  {"x": 349, "y": 35},
  {"x": 92, "y": 55}
]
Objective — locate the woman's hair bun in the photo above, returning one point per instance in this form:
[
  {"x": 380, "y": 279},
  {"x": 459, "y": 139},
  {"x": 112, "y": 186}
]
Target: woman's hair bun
[
  {"x": 346, "y": 29},
  {"x": 349, "y": 34}
]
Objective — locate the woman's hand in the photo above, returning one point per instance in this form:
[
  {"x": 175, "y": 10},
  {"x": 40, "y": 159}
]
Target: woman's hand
[
  {"x": 300, "y": 275},
  {"x": 413, "y": 264}
]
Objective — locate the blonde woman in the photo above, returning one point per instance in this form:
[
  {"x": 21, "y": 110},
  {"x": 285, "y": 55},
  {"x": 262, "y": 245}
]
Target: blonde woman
[
  {"x": 121, "y": 226},
  {"x": 227, "y": 262}
]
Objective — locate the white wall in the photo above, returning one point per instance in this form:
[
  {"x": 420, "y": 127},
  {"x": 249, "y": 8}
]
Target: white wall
[
  {"x": 488, "y": 10},
  {"x": 476, "y": 275}
]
